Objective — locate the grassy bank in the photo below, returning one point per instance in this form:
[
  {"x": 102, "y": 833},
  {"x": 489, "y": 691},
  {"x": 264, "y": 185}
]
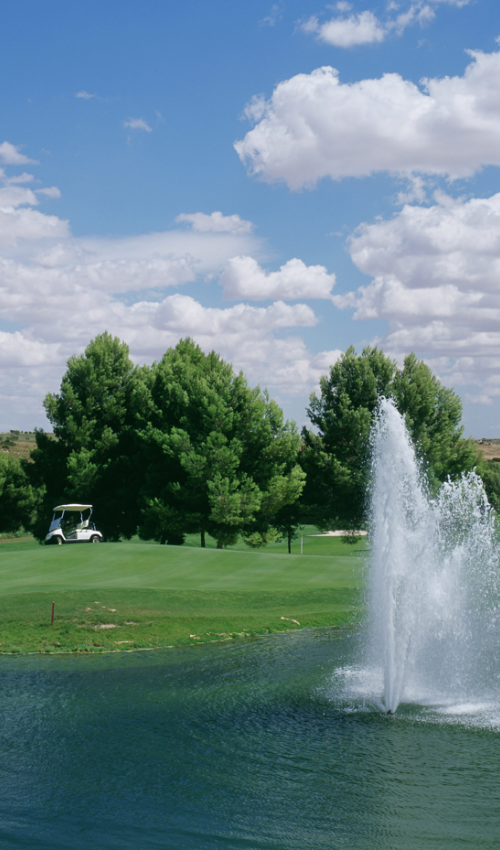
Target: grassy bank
[{"x": 136, "y": 595}]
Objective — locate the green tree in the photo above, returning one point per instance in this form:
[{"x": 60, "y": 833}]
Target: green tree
[
  {"x": 288, "y": 522},
  {"x": 433, "y": 415},
  {"x": 97, "y": 415},
  {"x": 219, "y": 458},
  {"x": 19, "y": 500},
  {"x": 335, "y": 457},
  {"x": 490, "y": 473}
]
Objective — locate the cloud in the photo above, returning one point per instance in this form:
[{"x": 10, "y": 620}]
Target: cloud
[
  {"x": 187, "y": 317},
  {"x": 16, "y": 178},
  {"x": 435, "y": 279},
  {"x": 138, "y": 124},
  {"x": 455, "y": 242},
  {"x": 46, "y": 300},
  {"x": 85, "y": 95},
  {"x": 255, "y": 109},
  {"x": 150, "y": 262},
  {"x": 416, "y": 190},
  {"x": 30, "y": 224},
  {"x": 10, "y": 155},
  {"x": 363, "y": 28},
  {"x": 42, "y": 296},
  {"x": 49, "y": 192},
  {"x": 366, "y": 28},
  {"x": 215, "y": 223},
  {"x": 14, "y": 196},
  {"x": 243, "y": 277},
  {"x": 275, "y": 14},
  {"x": 58, "y": 291},
  {"x": 68, "y": 294},
  {"x": 285, "y": 366},
  {"x": 16, "y": 221},
  {"x": 18, "y": 351},
  {"x": 314, "y": 126}
]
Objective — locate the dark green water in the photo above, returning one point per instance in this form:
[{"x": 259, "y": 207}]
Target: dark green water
[{"x": 243, "y": 746}]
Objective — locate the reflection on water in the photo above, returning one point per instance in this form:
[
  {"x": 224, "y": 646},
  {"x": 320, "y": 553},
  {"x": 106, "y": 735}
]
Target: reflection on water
[{"x": 264, "y": 744}]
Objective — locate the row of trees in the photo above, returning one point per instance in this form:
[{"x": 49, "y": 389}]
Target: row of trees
[
  {"x": 184, "y": 446},
  {"x": 187, "y": 446}
]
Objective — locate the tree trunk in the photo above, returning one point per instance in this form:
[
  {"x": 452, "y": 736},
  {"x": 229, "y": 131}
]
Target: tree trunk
[
  {"x": 219, "y": 544},
  {"x": 289, "y": 542},
  {"x": 203, "y": 538}
]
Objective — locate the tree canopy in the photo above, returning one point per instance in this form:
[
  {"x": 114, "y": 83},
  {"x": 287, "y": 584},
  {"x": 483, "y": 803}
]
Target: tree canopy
[
  {"x": 102, "y": 403},
  {"x": 336, "y": 455},
  {"x": 183, "y": 446},
  {"x": 19, "y": 500},
  {"x": 187, "y": 446},
  {"x": 218, "y": 455}
]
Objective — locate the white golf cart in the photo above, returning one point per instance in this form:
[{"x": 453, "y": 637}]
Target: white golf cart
[{"x": 71, "y": 524}]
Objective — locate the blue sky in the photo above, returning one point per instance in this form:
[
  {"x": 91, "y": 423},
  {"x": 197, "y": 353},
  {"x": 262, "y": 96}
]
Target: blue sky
[{"x": 278, "y": 181}]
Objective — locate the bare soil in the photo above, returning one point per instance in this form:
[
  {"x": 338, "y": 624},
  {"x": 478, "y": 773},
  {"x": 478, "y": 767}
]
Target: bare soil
[{"x": 489, "y": 448}]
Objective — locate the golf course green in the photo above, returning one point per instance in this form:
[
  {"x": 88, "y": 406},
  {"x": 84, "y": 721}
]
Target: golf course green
[{"x": 135, "y": 595}]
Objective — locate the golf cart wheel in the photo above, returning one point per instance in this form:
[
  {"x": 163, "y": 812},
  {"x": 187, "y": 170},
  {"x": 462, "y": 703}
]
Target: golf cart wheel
[{"x": 95, "y": 539}]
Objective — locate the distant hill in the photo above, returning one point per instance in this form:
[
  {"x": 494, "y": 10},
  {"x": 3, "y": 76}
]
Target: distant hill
[
  {"x": 21, "y": 443},
  {"x": 489, "y": 447},
  {"x": 17, "y": 443}
]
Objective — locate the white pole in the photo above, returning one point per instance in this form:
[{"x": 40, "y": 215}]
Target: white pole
[{"x": 301, "y": 544}]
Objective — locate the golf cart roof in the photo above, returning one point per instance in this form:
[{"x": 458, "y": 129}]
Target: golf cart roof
[{"x": 78, "y": 508}]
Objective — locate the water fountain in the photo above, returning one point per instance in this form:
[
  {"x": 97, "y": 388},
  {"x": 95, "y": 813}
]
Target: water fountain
[{"x": 434, "y": 577}]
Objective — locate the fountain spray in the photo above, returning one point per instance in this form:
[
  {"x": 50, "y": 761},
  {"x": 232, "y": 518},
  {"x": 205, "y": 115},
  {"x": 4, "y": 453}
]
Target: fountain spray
[{"x": 434, "y": 576}]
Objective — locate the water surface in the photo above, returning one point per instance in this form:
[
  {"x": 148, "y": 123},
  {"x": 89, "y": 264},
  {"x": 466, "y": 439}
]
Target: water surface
[{"x": 251, "y": 745}]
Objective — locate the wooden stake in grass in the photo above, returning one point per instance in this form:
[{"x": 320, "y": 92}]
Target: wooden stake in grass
[{"x": 52, "y": 620}]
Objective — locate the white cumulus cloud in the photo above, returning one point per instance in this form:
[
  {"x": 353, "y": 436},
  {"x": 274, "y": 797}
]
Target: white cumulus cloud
[
  {"x": 350, "y": 30},
  {"x": 61, "y": 313},
  {"x": 15, "y": 196},
  {"x": 17, "y": 220},
  {"x": 49, "y": 192},
  {"x": 436, "y": 280},
  {"x": 60, "y": 291},
  {"x": 243, "y": 277},
  {"x": 17, "y": 178},
  {"x": 215, "y": 223},
  {"x": 25, "y": 223},
  {"x": 314, "y": 126},
  {"x": 11, "y": 155},
  {"x": 363, "y": 28}
]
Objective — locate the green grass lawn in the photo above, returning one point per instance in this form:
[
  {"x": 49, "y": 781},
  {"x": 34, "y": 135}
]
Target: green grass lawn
[{"x": 138, "y": 595}]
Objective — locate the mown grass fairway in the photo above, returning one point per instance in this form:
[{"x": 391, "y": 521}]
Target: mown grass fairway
[{"x": 137, "y": 595}]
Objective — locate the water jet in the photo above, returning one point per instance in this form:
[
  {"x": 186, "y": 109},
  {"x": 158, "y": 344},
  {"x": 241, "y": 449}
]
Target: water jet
[{"x": 434, "y": 578}]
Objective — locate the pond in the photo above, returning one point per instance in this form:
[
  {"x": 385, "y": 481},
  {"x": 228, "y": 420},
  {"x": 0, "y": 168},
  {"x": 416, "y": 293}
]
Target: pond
[{"x": 253, "y": 744}]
